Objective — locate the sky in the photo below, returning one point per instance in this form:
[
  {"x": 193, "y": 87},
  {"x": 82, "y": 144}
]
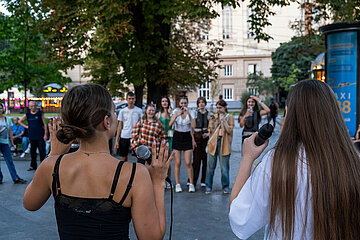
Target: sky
[{"x": 3, "y": 10}]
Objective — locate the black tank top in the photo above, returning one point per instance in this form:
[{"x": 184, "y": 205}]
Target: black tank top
[
  {"x": 91, "y": 218},
  {"x": 252, "y": 122}
]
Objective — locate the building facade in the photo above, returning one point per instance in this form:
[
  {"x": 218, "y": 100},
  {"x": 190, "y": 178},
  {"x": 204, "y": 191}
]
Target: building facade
[{"x": 242, "y": 54}]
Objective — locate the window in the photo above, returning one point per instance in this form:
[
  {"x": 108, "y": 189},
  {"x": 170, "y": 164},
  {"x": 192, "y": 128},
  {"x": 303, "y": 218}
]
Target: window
[
  {"x": 253, "y": 91},
  {"x": 228, "y": 70},
  {"x": 204, "y": 29},
  {"x": 228, "y": 92},
  {"x": 204, "y": 90},
  {"x": 249, "y": 34},
  {"x": 252, "y": 68},
  {"x": 226, "y": 21}
]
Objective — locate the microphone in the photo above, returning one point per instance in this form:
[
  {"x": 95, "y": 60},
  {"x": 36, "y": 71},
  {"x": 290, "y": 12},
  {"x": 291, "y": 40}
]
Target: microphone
[
  {"x": 143, "y": 155},
  {"x": 264, "y": 134}
]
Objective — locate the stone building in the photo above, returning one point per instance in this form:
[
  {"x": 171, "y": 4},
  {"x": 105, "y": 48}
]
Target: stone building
[{"x": 242, "y": 54}]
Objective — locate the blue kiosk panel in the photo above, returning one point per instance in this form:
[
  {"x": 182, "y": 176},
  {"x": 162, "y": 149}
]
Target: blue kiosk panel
[{"x": 342, "y": 73}]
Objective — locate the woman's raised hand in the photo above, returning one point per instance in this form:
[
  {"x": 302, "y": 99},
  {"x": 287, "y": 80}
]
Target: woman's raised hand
[
  {"x": 160, "y": 164},
  {"x": 57, "y": 147}
]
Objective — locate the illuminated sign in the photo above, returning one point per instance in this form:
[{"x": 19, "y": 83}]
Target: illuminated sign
[{"x": 54, "y": 90}]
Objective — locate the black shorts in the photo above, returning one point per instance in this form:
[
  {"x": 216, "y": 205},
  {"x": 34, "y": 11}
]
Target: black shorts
[
  {"x": 182, "y": 141},
  {"x": 124, "y": 146}
]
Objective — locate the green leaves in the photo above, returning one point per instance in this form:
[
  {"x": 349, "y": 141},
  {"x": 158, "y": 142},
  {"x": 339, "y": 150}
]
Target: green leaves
[
  {"x": 289, "y": 81},
  {"x": 263, "y": 85},
  {"x": 21, "y": 60},
  {"x": 295, "y": 56}
]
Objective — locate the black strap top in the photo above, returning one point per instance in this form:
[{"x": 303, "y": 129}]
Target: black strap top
[
  {"x": 92, "y": 218},
  {"x": 252, "y": 122},
  {"x": 202, "y": 120}
]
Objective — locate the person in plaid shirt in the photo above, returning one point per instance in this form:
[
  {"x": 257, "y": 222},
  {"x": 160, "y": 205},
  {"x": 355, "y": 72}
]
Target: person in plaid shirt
[{"x": 148, "y": 129}]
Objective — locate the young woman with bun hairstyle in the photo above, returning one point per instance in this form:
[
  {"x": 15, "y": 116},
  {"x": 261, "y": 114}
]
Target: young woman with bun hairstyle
[
  {"x": 96, "y": 195},
  {"x": 250, "y": 116},
  {"x": 308, "y": 185}
]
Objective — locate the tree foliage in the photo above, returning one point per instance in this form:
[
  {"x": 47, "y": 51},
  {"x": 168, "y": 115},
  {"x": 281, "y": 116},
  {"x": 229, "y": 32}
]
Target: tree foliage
[
  {"x": 296, "y": 54},
  {"x": 151, "y": 44},
  {"x": 317, "y": 11},
  {"x": 21, "y": 57},
  {"x": 264, "y": 85},
  {"x": 289, "y": 81}
]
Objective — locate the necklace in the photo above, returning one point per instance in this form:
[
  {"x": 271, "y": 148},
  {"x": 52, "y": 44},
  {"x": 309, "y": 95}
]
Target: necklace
[{"x": 89, "y": 153}]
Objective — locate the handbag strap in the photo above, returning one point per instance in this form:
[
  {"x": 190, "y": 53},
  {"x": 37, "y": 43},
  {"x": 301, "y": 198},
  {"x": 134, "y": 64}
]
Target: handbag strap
[{"x": 217, "y": 128}]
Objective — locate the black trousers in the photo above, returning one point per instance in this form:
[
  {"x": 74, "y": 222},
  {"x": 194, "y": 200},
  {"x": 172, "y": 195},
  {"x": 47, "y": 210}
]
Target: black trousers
[
  {"x": 37, "y": 144},
  {"x": 16, "y": 142},
  {"x": 200, "y": 156}
]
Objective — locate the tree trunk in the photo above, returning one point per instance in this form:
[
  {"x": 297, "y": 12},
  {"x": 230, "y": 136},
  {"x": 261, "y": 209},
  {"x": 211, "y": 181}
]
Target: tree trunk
[
  {"x": 155, "y": 92},
  {"x": 139, "y": 93}
]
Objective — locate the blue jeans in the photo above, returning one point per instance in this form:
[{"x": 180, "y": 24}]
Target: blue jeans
[
  {"x": 224, "y": 166},
  {"x": 5, "y": 149},
  {"x": 25, "y": 143}
]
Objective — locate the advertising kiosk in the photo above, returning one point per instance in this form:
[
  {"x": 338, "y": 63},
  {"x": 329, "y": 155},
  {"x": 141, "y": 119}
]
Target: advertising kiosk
[{"x": 342, "y": 69}]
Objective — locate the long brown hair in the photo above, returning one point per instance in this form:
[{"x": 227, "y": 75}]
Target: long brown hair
[
  {"x": 245, "y": 106},
  {"x": 314, "y": 123}
]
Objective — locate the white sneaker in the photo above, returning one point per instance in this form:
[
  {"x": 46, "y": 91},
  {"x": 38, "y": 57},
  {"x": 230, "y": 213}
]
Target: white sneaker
[
  {"x": 203, "y": 184},
  {"x": 22, "y": 155},
  {"x": 14, "y": 154},
  {"x": 167, "y": 185},
  {"x": 178, "y": 188},
  {"x": 27, "y": 150},
  {"x": 191, "y": 187}
]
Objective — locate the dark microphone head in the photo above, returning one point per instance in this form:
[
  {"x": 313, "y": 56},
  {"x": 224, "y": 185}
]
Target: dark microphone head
[
  {"x": 143, "y": 154},
  {"x": 264, "y": 133}
]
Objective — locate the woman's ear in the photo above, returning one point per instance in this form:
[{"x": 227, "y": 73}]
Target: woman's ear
[{"x": 107, "y": 122}]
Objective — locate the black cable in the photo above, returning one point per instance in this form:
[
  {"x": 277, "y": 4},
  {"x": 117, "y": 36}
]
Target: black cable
[
  {"x": 168, "y": 180},
  {"x": 171, "y": 208}
]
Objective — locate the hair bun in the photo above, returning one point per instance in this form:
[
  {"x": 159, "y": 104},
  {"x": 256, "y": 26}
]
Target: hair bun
[{"x": 66, "y": 134}]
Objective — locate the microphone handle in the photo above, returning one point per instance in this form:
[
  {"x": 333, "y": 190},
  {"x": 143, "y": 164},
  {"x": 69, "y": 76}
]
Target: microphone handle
[{"x": 259, "y": 141}]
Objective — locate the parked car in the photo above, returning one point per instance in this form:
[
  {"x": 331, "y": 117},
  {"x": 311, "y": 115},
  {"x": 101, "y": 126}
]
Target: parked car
[{"x": 119, "y": 106}]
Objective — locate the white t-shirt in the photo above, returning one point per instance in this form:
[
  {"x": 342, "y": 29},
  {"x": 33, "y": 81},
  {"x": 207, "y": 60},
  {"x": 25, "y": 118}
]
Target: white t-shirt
[
  {"x": 250, "y": 210},
  {"x": 129, "y": 117}
]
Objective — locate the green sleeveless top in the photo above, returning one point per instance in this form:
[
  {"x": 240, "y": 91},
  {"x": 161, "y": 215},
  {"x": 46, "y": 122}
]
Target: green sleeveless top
[{"x": 165, "y": 122}]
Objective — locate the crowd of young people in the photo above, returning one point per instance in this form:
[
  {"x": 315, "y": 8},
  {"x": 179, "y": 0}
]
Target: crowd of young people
[
  {"x": 187, "y": 132},
  {"x": 285, "y": 192}
]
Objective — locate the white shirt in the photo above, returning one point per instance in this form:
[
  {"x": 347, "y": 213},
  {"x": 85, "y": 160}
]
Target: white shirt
[
  {"x": 250, "y": 210},
  {"x": 129, "y": 117},
  {"x": 182, "y": 124}
]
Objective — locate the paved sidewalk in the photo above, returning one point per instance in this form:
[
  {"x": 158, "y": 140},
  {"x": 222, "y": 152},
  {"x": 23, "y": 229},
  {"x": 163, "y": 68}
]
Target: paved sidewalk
[{"x": 196, "y": 216}]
